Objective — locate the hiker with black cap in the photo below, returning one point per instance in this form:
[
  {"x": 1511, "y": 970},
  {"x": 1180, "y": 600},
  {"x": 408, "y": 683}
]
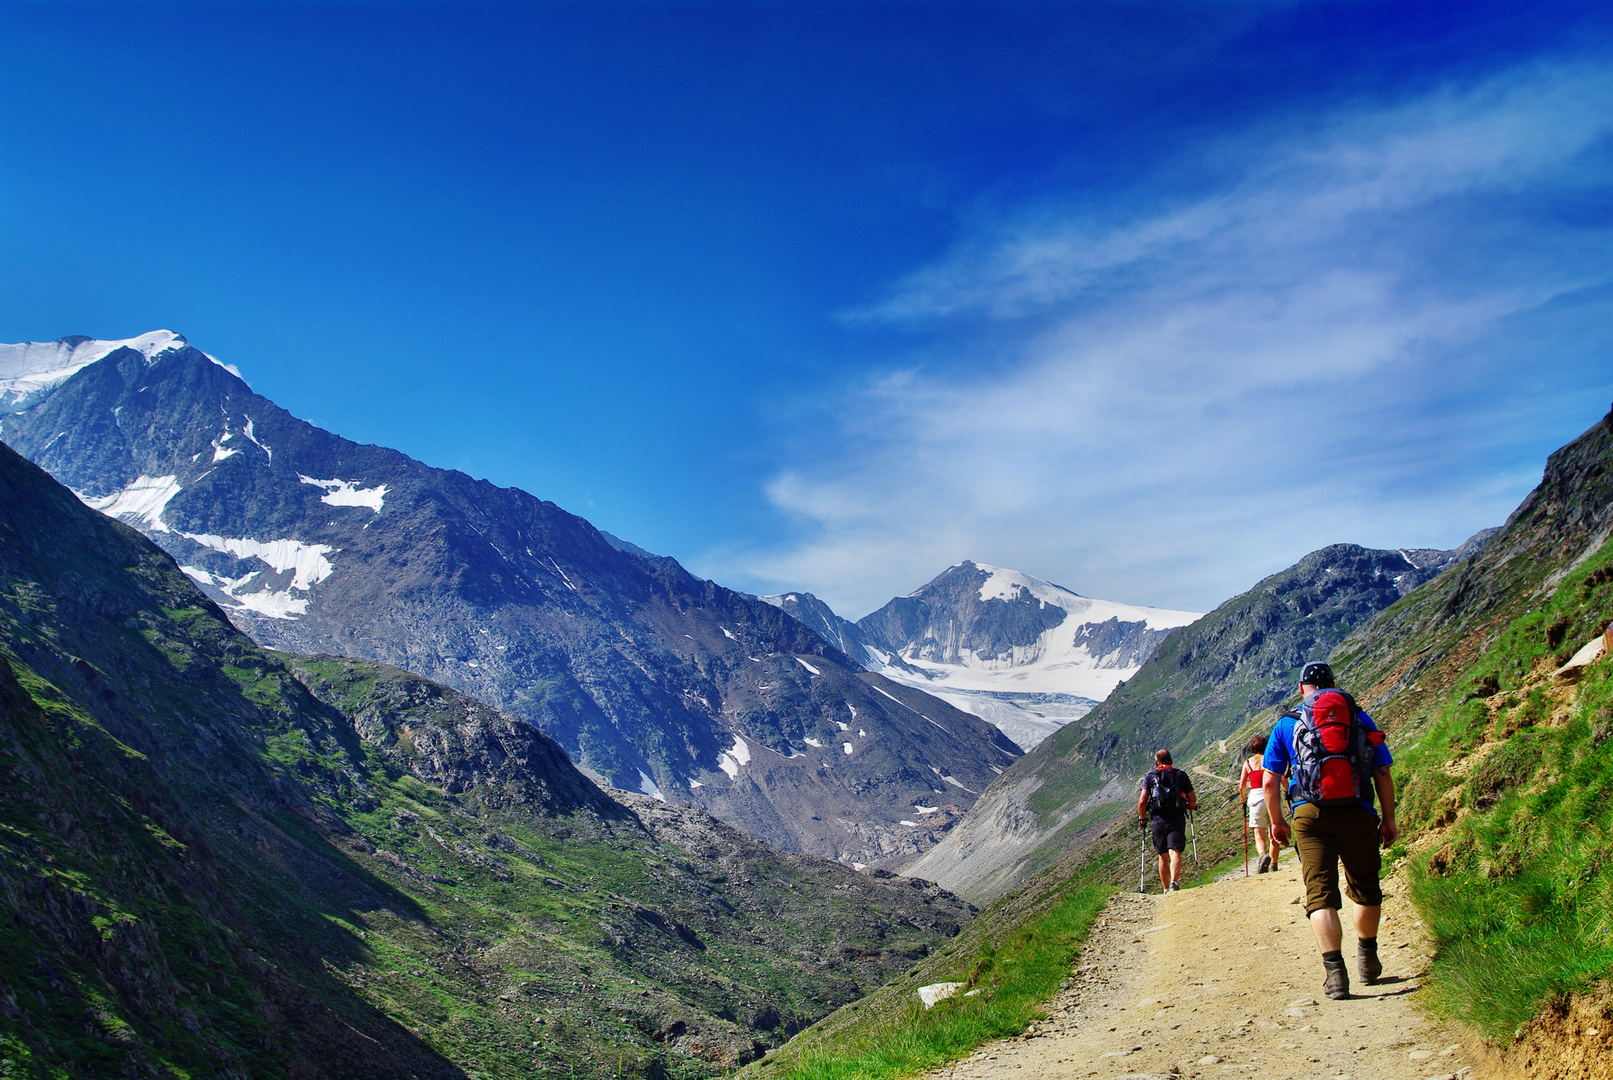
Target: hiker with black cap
[
  {"x": 1163, "y": 802},
  {"x": 1335, "y": 760}
]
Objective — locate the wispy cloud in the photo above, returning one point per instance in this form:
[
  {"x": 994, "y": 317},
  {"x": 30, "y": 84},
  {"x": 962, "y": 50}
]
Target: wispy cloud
[{"x": 1332, "y": 332}]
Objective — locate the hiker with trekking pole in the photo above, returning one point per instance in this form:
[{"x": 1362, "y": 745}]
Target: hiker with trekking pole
[
  {"x": 1165, "y": 798},
  {"x": 1252, "y": 791},
  {"x": 1336, "y": 760}
]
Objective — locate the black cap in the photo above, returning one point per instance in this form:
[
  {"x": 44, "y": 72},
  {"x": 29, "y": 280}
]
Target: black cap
[{"x": 1317, "y": 674}]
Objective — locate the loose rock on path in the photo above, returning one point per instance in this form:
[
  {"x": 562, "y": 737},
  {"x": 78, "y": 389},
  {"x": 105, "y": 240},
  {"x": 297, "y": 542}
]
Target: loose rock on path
[{"x": 1224, "y": 981}]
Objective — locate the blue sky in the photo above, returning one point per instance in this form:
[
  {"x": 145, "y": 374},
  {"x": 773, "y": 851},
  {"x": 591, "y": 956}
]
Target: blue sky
[{"x": 1148, "y": 299}]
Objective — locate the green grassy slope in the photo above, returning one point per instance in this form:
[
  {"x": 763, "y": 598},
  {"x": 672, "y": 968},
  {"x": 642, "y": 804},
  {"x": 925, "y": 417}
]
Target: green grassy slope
[
  {"x": 1507, "y": 787},
  {"x": 220, "y": 861}
]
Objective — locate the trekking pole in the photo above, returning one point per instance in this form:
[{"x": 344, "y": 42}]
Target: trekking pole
[
  {"x": 1193, "y": 827},
  {"x": 1245, "y": 836},
  {"x": 1142, "y": 859}
]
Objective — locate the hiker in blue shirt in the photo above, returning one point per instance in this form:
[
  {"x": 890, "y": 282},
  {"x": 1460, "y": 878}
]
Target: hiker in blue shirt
[{"x": 1335, "y": 759}]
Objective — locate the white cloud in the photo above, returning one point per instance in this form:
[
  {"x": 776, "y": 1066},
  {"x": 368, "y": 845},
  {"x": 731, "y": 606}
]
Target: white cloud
[{"x": 1329, "y": 340}]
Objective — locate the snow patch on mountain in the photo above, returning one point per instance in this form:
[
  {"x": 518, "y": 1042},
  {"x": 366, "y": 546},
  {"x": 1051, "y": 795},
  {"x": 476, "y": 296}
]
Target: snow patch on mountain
[
  {"x": 141, "y": 501},
  {"x": 251, "y": 591},
  {"x": 1018, "y": 651},
  {"x": 271, "y": 603},
  {"x": 348, "y": 493},
  {"x": 307, "y": 562},
  {"x": 1024, "y": 717},
  {"x": 254, "y": 439},
  {"x": 1003, "y": 584},
  {"x": 737, "y": 755},
  {"x": 647, "y": 784},
  {"x": 898, "y": 700}
]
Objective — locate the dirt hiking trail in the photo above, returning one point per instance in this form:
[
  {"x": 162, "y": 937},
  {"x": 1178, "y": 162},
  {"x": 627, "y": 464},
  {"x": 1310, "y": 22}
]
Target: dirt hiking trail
[{"x": 1224, "y": 980}]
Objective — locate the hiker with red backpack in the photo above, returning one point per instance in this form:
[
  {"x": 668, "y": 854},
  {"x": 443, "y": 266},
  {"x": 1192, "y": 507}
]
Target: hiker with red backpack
[
  {"x": 1335, "y": 759},
  {"x": 1164, "y": 800}
]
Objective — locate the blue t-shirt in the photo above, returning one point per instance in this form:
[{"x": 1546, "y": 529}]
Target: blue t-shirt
[{"x": 1280, "y": 754}]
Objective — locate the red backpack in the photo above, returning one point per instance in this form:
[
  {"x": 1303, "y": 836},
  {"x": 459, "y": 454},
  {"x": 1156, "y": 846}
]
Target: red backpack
[{"x": 1333, "y": 750}]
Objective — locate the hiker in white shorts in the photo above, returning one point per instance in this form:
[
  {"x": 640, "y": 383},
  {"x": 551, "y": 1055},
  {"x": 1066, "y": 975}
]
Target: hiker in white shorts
[{"x": 1252, "y": 781}]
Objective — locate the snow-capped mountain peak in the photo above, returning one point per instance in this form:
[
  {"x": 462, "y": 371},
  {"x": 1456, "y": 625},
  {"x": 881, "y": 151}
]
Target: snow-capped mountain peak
[
  {"x": 31, "y": 367},
  {"x": 1016, "y": 649},
  {"x": 1001, "y": 584}
]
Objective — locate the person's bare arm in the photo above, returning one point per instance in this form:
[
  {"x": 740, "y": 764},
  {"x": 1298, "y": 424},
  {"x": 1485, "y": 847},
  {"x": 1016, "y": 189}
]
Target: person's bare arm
[
  {"x": 1142, "y": 806},
  {"x": 1192, "y": 800},
  {"x": 1387, "y": 830},
  {"x": 1279, "y": 827}
]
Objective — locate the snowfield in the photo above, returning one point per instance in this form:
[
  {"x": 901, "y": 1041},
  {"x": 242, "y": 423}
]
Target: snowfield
[
  {"x": 143, "y": 501},
  {"x": 1030, "y": 691}
]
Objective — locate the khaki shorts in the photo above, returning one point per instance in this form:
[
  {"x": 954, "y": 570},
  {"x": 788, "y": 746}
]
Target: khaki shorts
[
  {"x": 1325, "y": 838},
  {"x": 1259, "y": 816}
]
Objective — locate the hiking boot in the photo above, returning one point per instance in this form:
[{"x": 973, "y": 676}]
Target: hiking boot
[
  {"x": 1367, "y": 964},
  {"x": 1337, "y": 985},
  {"x": 1176, "y": 886},
  {"x": 1265, "y": 864}
]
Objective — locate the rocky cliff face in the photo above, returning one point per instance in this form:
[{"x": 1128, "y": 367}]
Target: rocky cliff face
[
  {"x": 223, "y": 861},
  {"x": 843, "y": 634},
  {"x": 1203, "y": 681},
  {"x": 651, "y": 679}
]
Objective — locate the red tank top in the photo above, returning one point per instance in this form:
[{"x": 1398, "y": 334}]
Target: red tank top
[{"x": 1257, "y": 777}]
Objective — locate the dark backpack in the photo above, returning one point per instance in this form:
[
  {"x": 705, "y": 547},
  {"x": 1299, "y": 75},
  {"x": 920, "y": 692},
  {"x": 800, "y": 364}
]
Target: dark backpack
[
  {"x": 1165, "y": 796},
  {"x": 1333, "y": 750}
]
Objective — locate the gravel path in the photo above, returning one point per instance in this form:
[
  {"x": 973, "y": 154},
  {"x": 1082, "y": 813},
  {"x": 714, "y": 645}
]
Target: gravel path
[{"x": 1224, "y": 981}]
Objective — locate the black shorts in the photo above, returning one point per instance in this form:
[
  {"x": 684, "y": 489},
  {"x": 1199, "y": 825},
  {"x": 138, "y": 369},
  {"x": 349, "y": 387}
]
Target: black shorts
[{"x": 1170, "y": 834}]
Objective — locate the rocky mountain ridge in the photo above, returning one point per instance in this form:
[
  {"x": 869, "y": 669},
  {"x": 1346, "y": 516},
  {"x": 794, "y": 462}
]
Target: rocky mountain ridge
[{"x": 652, "y": 680}]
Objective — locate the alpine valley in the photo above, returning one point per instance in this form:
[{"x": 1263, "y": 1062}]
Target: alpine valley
[
  {"x": 651, "y": 679},
  {"x": 304, "y": 769},
  {"x": 224, "y": 861}
]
